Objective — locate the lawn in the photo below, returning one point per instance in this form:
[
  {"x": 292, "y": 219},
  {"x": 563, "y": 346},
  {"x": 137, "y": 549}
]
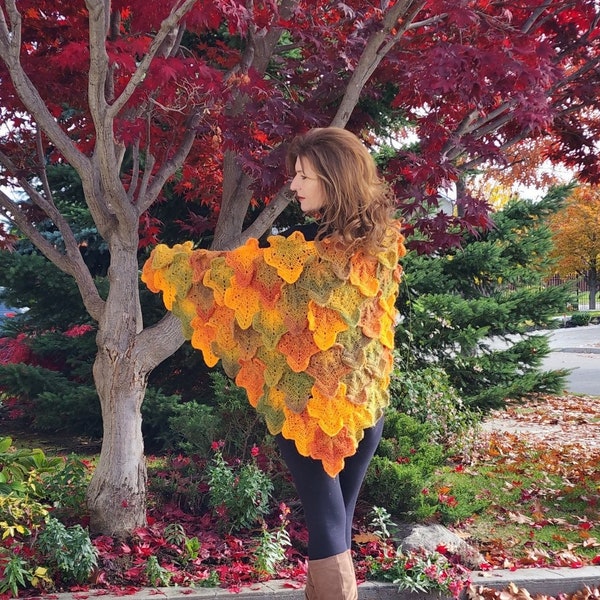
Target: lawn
[{"x": 538, "y": 467}]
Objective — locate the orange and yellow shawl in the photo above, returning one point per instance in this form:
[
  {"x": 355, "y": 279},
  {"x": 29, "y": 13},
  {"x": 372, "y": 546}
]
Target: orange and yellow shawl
[{"x": 305, "y": 329}]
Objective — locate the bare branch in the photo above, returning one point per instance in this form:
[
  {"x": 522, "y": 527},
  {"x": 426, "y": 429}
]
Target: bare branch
[
  {"x": 535, "y": 15},
  {"x": 135, "y": 170},
  {"x": 269, "y": 214},
  {"x": 70, "y": 262},
  {"x": 43, "y": 174}
]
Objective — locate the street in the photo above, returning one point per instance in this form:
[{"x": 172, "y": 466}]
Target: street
[{"x": 577, "y": 348}]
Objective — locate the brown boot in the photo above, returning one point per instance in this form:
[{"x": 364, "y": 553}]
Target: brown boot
[
  {"x": 331, "y": 578},
  {"x": 309, "y": 590}
]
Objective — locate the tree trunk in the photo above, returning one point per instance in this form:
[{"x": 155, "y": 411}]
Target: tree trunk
[
  {"x": 593, "y": 287},
  {"x": 116, "y": 496},
  {"x": 117, "y": 492}
]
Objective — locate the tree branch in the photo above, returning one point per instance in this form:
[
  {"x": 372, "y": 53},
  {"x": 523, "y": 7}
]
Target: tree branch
[
  {"x": 166, "y": 28},
  {"x": 10, "y": 49},
  {"x": 373, "y": 53},
  {"x": 70, "y": 262}
]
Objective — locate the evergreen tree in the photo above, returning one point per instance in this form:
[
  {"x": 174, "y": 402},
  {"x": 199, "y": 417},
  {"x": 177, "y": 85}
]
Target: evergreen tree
[{"x": 474, "y": 310}]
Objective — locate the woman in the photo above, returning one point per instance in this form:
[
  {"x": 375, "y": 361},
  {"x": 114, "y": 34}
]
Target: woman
[
  {"x": 306, "y": 326},
  {"x": 336, "y": 181}
]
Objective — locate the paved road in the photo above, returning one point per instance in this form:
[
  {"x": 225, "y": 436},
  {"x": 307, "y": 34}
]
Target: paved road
[{"x": 577, "y": 348}]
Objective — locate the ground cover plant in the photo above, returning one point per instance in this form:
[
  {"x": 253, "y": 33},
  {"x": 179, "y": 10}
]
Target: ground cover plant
[{"x": 527, "y": 495}]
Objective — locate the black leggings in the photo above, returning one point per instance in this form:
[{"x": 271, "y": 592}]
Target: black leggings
[{"x": 329, "y": 502}]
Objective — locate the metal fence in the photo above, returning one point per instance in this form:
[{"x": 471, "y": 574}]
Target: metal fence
[{"x": 580, "y": 287}]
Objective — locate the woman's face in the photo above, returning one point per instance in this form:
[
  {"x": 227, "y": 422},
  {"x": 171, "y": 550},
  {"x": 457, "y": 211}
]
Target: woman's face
[{"x": 307, "y": 186}]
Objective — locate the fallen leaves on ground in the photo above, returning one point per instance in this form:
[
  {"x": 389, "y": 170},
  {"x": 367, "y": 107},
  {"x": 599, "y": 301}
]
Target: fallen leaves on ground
[{"x": 565, "y": 430}]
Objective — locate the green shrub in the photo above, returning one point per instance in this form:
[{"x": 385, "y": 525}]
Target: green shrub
[
  {"x": 429, "y": 397},
  {"x": 38, "y": 549},
  {"x": 579, "y": 319},
  {"x": 241, "y": 427},
  {"x": 406, "y": 440},
  {"x": 405, "y": 459},
  {"x": 239, "y": 495},
  {"x": 69, "y": 552},
  {"x": 65, "y": 489},
  {"x": 157, "y": 411},
  {"x": 393, "y": 485},
  {"x": 21, "y": 470},
  {"x": 194, "y": 427}
]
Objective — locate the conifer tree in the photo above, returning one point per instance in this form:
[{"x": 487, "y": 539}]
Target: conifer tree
[{"x": 476, "y": 311}]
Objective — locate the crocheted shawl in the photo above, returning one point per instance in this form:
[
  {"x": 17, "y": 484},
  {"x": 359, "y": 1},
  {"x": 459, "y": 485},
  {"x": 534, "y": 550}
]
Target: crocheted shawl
[{"x": 305, "y": 329}]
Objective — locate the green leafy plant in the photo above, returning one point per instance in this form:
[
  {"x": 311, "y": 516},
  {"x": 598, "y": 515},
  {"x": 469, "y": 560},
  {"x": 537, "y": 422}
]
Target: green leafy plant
[
  {"x": 20, "y": 470},
  {"x": 65, "y": 488},
  {"x": 239, "y": 494},
  {"x": 20, "y": 515},
  {"x": 271, "y": 549},
  {"x": 157, "y": 575},
  {"x": 17, "y": 573},
  {"x": 68, "y": 551},
  {"x": 381, "y": 523}
]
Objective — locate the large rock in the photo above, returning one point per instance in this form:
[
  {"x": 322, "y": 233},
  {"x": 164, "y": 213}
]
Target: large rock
[{"x": 431, "y": 537}]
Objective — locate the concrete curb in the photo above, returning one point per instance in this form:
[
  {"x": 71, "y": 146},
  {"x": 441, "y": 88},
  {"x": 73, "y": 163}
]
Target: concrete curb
[{"x": 550, "y": 582}]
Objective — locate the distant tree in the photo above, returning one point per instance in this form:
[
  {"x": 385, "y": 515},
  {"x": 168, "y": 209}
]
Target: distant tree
[{"x": 576, "y": 233}]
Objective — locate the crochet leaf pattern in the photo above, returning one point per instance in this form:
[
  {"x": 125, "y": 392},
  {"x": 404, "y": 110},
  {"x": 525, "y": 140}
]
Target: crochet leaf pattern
[{"x": 305, "y": 329}]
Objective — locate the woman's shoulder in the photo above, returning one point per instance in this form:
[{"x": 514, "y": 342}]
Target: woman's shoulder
[{"x": 308, "y": 230}]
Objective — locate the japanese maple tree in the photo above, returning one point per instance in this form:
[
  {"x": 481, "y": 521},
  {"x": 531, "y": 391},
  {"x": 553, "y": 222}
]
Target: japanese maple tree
[{"x": 203, "y": 96}]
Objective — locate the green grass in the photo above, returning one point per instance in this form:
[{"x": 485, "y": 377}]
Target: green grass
[{"x": 525, "y": 501}]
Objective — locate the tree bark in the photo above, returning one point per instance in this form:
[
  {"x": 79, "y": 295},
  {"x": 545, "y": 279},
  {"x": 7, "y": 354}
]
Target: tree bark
[
  {"x": 116, "y": 496},
  {"x": 593, "y": 287}
]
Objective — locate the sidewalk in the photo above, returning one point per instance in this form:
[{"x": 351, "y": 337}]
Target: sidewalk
[{"x": 549, "y": 582}]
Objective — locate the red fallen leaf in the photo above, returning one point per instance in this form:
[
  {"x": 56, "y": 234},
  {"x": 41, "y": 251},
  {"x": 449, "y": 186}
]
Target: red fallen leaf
[
  {"x": 124, "y": 591},
  {"x": 596, "y": 560},
  {"x": 296, "y": 585}
]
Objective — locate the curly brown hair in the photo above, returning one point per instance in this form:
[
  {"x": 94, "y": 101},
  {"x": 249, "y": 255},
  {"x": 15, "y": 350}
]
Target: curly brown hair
[{"x": 359, "y": 207}]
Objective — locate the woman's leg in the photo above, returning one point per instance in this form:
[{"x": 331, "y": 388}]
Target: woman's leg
[
  {"x": 322, "y": 501},
  {"x": 329, "y": 502},
  {"x": 355, "y": 469}
]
